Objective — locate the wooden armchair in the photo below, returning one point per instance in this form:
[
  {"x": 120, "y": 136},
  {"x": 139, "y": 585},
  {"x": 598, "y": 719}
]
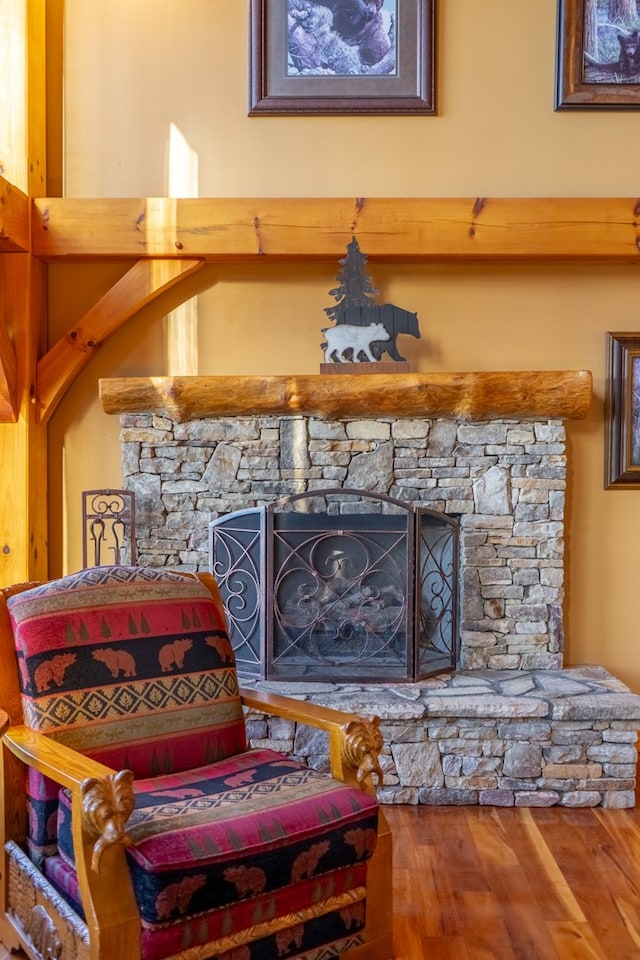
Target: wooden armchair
[{"x": 137, "y": 824}]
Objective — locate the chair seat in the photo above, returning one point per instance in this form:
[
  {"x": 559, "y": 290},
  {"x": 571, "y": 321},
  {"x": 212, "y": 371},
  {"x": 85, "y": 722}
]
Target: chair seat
[{"x": 205, "y": 854}]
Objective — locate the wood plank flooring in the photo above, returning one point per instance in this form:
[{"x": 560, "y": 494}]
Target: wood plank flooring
[{"x": 496, "y": 883}]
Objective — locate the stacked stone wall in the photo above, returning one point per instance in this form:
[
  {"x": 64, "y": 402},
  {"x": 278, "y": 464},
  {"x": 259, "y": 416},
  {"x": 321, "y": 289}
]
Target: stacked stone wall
[{"x": 503, "y": 479}]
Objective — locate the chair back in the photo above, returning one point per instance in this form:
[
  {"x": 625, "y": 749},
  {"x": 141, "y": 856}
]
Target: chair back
[{"x": 129, "y": 665}]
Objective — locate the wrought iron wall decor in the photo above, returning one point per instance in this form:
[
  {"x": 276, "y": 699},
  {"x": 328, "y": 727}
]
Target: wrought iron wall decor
[
  {"x": 108, "y": 527},
  {"x": 364, "y": 330}
]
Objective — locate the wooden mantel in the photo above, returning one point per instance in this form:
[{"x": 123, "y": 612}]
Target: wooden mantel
[{"x": 527, "y": 395}]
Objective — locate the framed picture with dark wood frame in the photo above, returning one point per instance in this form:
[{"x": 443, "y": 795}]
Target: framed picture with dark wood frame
[
  {"x": 598, "y": 55},
  {"x": 341, "y": 57},
  {"x": 622, "y": 411}
]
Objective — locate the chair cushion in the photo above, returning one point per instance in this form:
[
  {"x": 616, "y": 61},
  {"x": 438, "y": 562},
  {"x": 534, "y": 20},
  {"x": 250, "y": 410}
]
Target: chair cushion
[
  {"x": 318, "y": 938},
  {"x": 256, "y": 835}
]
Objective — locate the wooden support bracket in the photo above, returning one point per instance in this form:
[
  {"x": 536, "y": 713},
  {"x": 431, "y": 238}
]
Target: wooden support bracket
[
  {"x": 8, "y": 398},
  {"x": 145, "y": 281}
]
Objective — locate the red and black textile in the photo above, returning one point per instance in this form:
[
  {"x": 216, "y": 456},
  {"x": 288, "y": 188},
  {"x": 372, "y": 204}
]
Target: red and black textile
[
  {"x": 222, "y": 837},
  {"x": 107, "y": 646},
  {"x": 249, "y": 826}
]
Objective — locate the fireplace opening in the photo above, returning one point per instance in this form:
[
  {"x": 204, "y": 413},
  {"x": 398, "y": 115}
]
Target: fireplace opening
[{"x": 339, "y": 584}]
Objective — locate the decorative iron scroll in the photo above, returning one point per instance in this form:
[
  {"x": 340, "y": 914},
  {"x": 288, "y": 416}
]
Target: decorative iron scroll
[
  {"x": 339, "y": 584},
  {"x": 340, "y": 593},
  {"x": 236, "y": 549}
]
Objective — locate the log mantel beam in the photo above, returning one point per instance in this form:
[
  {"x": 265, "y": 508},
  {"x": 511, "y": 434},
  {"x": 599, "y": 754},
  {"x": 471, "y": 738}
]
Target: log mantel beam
[{"x": 528, "y": 395}]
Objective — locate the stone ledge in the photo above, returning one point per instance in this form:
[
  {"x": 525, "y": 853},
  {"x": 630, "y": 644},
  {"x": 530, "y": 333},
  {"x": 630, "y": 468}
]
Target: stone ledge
[
  {"x": 541, "y": 738},
  {"x": 576, "y": 693}
]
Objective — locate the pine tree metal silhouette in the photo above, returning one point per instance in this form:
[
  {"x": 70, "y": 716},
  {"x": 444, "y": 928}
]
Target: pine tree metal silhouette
[{"x": 356, "y": 288}]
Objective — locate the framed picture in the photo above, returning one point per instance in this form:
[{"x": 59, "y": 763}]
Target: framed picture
[
  {"x": 341, "y": 57},
  {"x": 598, "y": 55},
  {"x": 622, "y": 411}
]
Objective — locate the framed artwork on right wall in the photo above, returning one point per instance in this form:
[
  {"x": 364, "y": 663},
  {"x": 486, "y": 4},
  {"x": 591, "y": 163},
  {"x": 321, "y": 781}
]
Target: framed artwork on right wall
[
  {"x": 622, "y": 411},
  {"x": 598, "y": 55}
]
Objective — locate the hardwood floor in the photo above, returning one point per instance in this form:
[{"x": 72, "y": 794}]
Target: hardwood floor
[{"x": 498, "y": 883}]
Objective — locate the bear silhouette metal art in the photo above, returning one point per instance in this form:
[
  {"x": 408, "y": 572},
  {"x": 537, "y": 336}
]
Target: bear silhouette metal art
[{"x": 364, "y": 330}]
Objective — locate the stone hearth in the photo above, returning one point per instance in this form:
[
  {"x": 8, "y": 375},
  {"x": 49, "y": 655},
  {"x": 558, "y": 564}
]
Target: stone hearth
[{"x": 535, "y": 738}]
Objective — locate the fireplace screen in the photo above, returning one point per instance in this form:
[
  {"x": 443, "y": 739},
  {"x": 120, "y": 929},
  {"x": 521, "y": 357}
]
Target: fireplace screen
[{"x": 338, "y": 585}]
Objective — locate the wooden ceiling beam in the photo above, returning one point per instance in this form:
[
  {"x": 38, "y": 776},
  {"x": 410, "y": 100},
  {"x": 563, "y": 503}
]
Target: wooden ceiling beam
[
  {"x": 145, "y": 281},
  {"x": 402, "y": 229},
  {"x": 14, "y": 219}
]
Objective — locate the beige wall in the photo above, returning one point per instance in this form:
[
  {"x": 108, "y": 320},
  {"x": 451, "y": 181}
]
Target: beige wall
[{"x": 135, "y": 69}]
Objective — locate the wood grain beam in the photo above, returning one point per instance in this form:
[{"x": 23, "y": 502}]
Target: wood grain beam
[
  {"x": 23, "y": 444},
  {"x": 14, "y": 219},
  {"x": 8, "y": 401},
  {"x": 36, "y": 105},
  {"x": 145, "y": 281},
  {"x": 547, "y": 394},
  {"x": 13, "y": 281},
  {"x": 435, "y": 229}
]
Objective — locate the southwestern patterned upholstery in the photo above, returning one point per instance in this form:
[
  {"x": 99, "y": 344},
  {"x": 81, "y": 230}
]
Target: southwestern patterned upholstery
[
  {"x": 101, "y": 648},
  {"x": 233, "y": 853}
]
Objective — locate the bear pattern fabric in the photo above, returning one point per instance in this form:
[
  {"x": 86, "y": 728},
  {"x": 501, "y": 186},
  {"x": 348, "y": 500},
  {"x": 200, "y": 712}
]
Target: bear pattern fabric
[
  {"x": 212, "y": 837},
  {"x": 107, "y": 645},
  {"x": 110, "y": 645}
]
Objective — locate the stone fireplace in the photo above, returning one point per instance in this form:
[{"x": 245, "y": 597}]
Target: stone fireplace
[
  {"x": 509, "y": 725},
  {"x": 502, "y": 480}
]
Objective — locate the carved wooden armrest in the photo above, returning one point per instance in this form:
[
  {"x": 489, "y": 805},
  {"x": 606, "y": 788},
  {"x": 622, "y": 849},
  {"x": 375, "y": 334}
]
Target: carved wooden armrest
[
  {"x": 354, "y": 742},
  {"x": 103, "y": 798}
]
